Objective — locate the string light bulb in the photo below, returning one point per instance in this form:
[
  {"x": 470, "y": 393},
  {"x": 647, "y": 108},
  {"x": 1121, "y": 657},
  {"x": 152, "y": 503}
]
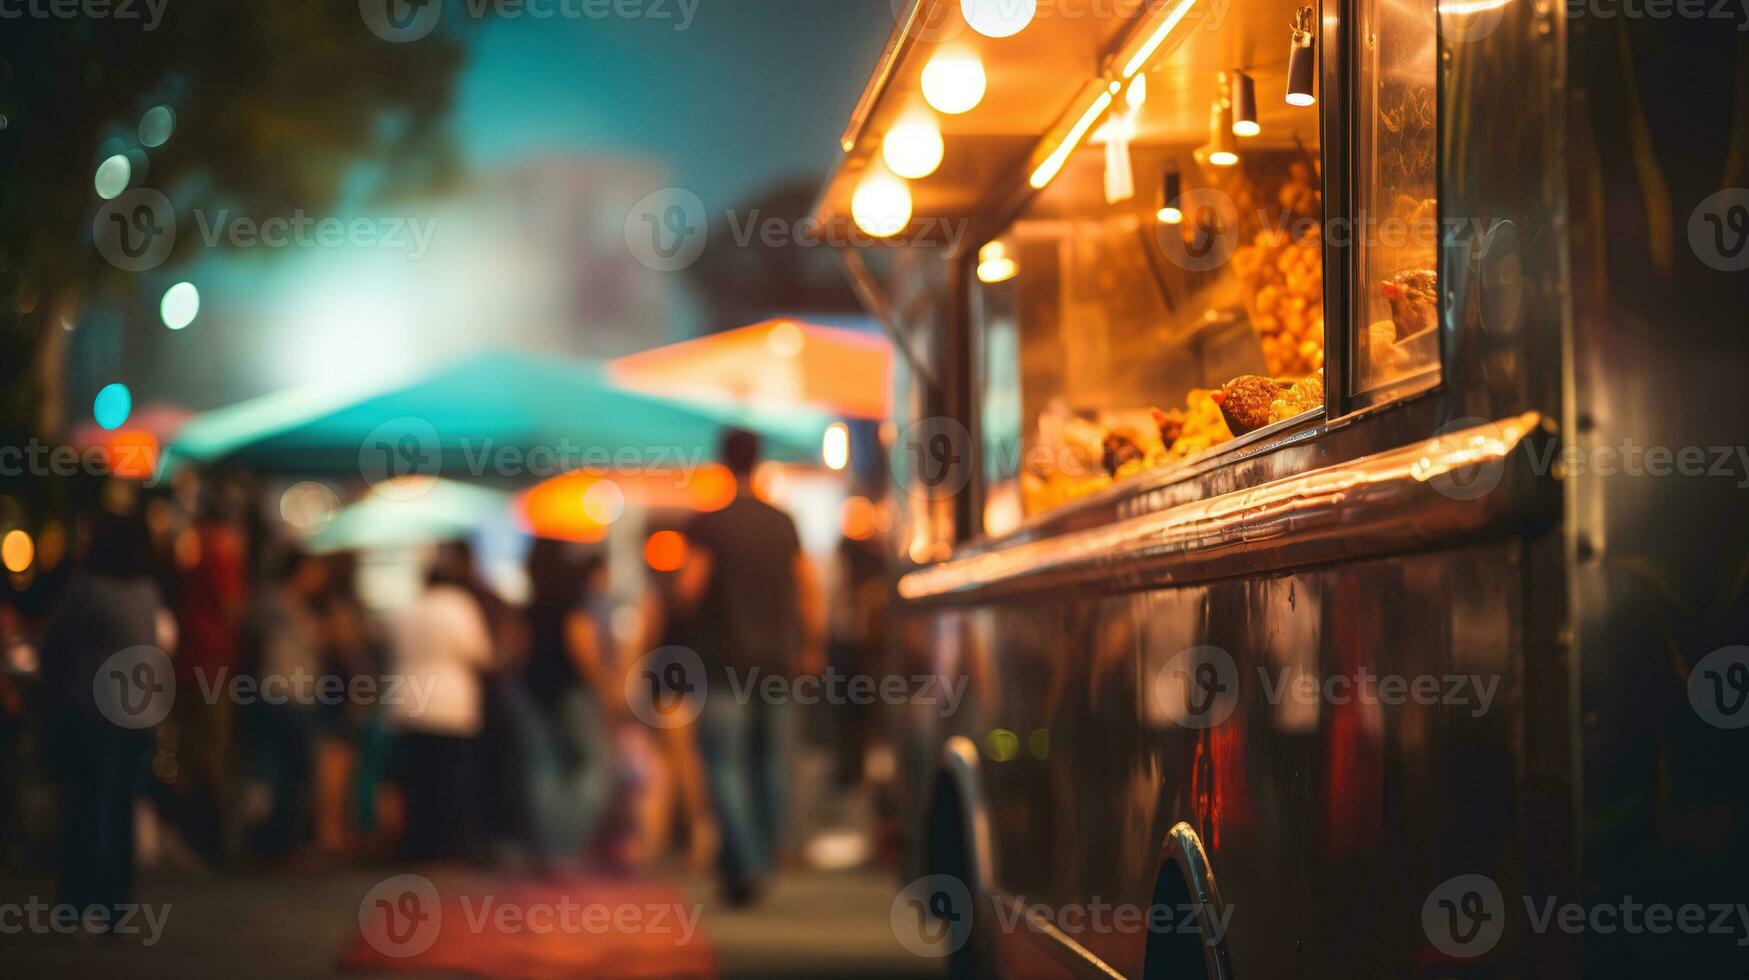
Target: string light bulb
[{"x": 1244, "y": 99}]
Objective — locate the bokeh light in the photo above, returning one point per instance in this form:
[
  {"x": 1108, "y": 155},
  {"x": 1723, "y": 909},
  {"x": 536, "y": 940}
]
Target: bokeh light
[
  {"x": 156, "y": 125},
  {"x": 17, "y": 551},
  {"x": 308, "y": 504},
  {"x": 112, "y": 406},
  {"x": 999, "y": 18},
  {"x": 181, "y": 304},
  {"x": 665, "y": 551},
  {"x": 954, "y": 83},
  {"x": 604, "y": 502},
  {"x": 881, "y": 205},
  {"x": 835, "y": 447},
  {"x": 913, "y": 148},
  {"x": 113, "y": 176},
  {"x": 785, "y": 339}
]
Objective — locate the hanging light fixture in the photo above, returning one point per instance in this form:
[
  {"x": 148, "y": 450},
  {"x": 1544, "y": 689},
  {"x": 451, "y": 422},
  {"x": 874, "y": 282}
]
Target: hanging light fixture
[
  {"x": 913, "y": 148},
  {"x": 1171, "y": 190},
  {"x": 1222, "y": 149},
  {"x": 1302, "y": 61},
  {"x": 1244, "y": 97}
]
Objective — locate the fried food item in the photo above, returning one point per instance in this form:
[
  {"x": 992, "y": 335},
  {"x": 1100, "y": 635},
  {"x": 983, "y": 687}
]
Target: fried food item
[
  {"x": 1414, "y": 300},
  {"x": 1121, "y": 447},
  {"x": 1245, "y": 402},
  {"x": 1170, "y": 424},
  {"x": 1203, "y": 425},
  {"x": 1300, "y": 397}
]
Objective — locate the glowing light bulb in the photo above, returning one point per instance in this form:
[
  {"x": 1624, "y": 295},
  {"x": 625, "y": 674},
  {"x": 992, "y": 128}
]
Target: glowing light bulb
[
  {"x": 954, "y": 83},
  {"x": 913, "y": 149},
  {"x": 881, "y": 205},
  {"x": 999, "y": 18},
  {"x": 994, "y": 265}
]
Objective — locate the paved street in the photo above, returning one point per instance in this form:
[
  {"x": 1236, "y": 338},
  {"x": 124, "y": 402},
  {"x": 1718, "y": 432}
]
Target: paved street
[{"x": 301, "y": 925}]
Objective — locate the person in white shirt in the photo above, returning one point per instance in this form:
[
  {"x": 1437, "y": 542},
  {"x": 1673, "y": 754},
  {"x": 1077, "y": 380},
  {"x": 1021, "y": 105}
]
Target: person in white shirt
[{"x": 432, "y": 698}]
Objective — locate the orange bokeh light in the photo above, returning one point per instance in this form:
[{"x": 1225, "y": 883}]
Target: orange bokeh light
[
  {"x": 133, "y": 455},
  {"x": 665, "y": 551}
]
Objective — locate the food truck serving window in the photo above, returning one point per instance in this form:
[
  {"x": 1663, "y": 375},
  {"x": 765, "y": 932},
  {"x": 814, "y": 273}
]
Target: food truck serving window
[
  {"x": 1396, "y": 218},
  {"x": 1164, "y": 294}
]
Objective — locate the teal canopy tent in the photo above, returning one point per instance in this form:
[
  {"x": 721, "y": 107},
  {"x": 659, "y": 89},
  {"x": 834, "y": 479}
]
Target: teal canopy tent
[
  {"x": 413, "y": 515},
  {"x": 503, "y": 417}
]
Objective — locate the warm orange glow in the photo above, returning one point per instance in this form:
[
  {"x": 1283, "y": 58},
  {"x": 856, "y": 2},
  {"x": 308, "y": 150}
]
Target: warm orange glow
[
  {"x": 665, "y": 551},
  {"x": 17, "y": 550},
  {"x": 133, "y": 455},
  {"x": 560, "y": 508},
  {"x": 858, "y": 518},
  {"x": 783, "y": 363}
]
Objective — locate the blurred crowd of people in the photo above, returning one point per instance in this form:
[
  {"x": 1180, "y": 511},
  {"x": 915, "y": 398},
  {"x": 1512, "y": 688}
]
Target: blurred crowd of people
[{"x": 308, "y": 731}]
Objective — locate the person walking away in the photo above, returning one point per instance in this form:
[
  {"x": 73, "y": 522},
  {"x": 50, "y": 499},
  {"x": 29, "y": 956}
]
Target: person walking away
[
  {"x": 568, "y": 760},
  {"x": 284, "y": 651},
  {"x": 112, "y": 607},
  {"x": 755, "y": 591},
  {"x": 433, "y": 700}
]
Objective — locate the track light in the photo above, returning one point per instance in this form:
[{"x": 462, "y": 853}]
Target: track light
[
  {"x": 1172, "y": 190},
  {"x": 1244, "y": 97},
  {"x": 1302, "y": 61},
  {"x": 1222, "y": 150}
]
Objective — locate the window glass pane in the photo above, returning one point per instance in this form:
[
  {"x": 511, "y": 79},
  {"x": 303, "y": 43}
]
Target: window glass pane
[
  {"x": 1397, "y": 205},
  {"x": 1117, "y": 337}
]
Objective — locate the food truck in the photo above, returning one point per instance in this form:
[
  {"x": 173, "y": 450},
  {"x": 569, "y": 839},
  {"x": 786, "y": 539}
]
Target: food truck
[{"x": 1300, "y": 430}]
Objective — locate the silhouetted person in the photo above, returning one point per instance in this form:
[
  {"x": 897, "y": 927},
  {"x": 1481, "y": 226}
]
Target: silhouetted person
[
  {"x": 100, "y": 740},
  {"x": 755, "y": 596},
  {"x": 440, "y": 647},
  {"x": 567, "y": 756}
]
